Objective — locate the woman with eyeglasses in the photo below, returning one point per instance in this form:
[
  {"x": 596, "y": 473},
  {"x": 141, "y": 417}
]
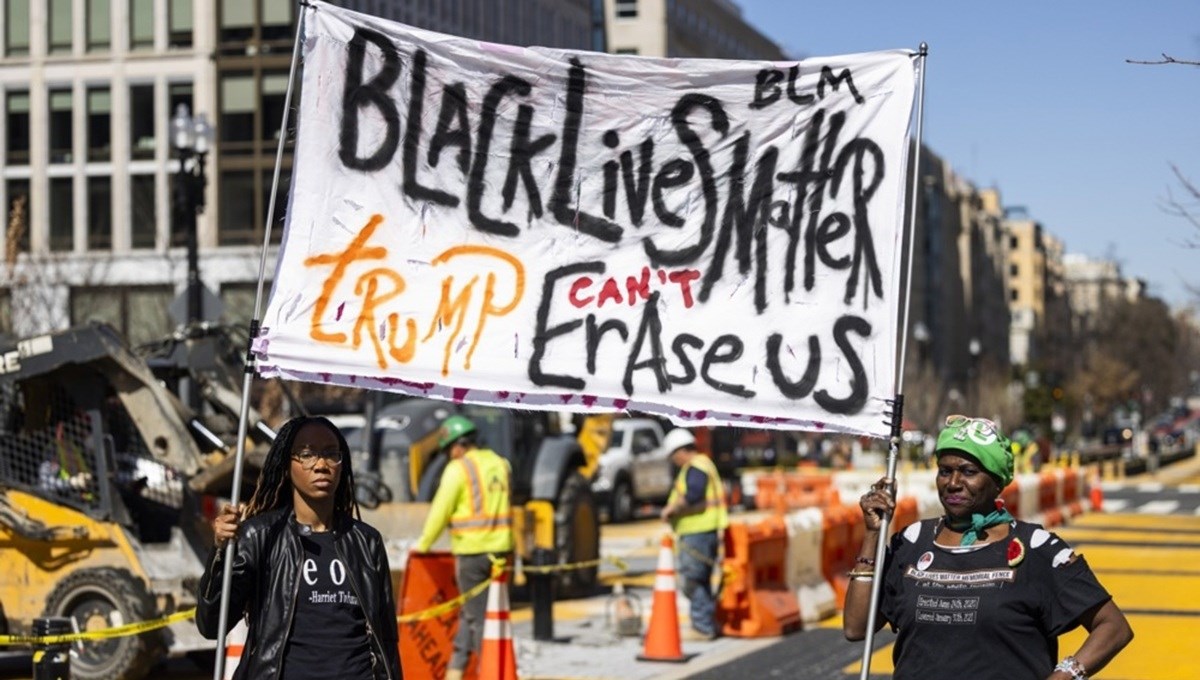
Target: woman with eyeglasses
[
  {"x": 976, "y": 593},
  {"x": 311, "y": 579}
]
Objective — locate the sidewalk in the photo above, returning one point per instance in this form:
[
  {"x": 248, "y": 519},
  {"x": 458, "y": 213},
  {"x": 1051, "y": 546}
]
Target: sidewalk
[
  {"x": 1171, "y": 474},
  {"x": 586, "y": 648}
]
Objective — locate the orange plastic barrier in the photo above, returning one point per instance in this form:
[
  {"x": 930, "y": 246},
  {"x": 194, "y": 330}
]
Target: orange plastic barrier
[
  {"x": 806, "y": 490},
  {"x": 1070, "y": 489},
  {"x": 426, "y": 645},
  {"x": 836, "y": 553},
  {"x": 906, "y": 513},
  {"x": 1048, "y": 491},
  {"x": 769, "y": 492},
  {"x": 755, "y": 600}
]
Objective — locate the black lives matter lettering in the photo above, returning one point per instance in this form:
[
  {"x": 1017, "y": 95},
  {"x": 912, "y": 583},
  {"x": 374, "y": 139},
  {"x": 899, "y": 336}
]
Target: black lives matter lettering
[{"x": 750, "y": 191}]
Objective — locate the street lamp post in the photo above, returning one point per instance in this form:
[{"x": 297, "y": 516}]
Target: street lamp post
[
  {"x": 921, "y": 334},
  {"x": 192, "y": 138},
  {"x": 975, "y": 348}
]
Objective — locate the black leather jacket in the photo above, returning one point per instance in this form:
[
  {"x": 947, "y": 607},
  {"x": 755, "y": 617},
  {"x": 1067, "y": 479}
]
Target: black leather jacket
[{"x": 266, "y": 576}]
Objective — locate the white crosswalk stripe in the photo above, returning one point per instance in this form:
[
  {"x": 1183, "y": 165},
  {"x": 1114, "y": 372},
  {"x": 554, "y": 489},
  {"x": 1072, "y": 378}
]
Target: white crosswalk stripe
[
  {"x": 1115, "y": 504},
  {"x": 1158, "y": 507},
  {"x": 1150, "y": 487},
  {"x": 1189, "y": 488},
  {"x": 1198, "y": 512}
]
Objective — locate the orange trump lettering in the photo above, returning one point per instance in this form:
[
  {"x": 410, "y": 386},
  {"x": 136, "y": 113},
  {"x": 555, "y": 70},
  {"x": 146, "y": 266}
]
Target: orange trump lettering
[
  {"x": 368, "y": 287},
  {"x": 453, "y": 307},
  {"x": 357, "y": 250}
]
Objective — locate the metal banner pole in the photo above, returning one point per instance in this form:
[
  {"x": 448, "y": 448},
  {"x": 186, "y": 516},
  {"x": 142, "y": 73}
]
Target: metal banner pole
[
  {"x": 248, "y": 374},
  {"x": 897, "y": 413}
]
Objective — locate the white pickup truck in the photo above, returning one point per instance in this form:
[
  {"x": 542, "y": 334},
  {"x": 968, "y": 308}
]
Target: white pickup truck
[{"x": 634, "y": 469}]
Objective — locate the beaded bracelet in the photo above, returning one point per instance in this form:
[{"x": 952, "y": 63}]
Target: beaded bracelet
[
  {"x": 869, "y": 561},
  {"x": 1071, "y": 665}
]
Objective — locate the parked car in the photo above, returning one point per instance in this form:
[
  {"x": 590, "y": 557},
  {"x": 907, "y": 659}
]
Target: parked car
[{"x": 634, "y": 469}]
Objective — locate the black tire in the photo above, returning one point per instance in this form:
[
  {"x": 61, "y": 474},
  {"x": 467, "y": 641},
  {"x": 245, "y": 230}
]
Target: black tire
[
  {"x": 431, "y": 477},
  {"x": 366, "y": 495},
  {"x": 576, "y": 537},
  {"x": 622, "y": 502},
  {"x": 104, "y": 598}
]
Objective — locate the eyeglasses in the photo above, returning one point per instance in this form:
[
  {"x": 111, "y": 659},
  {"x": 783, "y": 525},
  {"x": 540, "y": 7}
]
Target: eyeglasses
[
  {"x": 308, "y": 458},
  {"x": 981, "y": 425}
]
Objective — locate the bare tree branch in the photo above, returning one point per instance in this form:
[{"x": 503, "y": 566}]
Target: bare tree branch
[
  {"x": 1188, "y": 207},
  {"x": 1166, "y": 59}
]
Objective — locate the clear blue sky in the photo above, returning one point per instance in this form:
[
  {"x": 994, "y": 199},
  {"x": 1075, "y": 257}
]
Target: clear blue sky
[{"x": 1035, "y": 98}]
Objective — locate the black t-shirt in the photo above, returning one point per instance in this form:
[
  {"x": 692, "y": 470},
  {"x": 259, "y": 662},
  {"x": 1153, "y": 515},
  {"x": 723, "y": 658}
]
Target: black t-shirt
[
  {"x": 982, "y": 612},
  {"x": 329, "y": 631}
]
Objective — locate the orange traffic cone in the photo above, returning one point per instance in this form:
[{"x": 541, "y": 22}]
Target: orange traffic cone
[
  {"x": 235, "y": 643},
  {"x": 662, "y": 639},
  {"x": 498, "y": 659},
  {"x": 1096, "y": 495}
]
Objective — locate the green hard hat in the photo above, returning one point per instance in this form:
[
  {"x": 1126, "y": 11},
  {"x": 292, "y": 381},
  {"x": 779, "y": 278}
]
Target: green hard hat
[{"x": 453, "y": 428}]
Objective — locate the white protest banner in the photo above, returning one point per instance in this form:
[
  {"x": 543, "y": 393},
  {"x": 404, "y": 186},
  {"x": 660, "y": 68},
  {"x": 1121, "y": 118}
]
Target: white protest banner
[{"x": 715, "y": 241}]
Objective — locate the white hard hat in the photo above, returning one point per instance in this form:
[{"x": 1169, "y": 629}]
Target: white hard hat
[{"x": 677, "y": 439}]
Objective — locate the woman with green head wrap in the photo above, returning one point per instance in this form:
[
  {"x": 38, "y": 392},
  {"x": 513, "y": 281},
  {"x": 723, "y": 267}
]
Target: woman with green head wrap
[{"x": 976, "y": 593}]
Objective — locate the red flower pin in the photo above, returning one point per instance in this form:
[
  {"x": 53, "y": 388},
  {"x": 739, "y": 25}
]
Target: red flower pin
[{"x": 1016, "y": 552}]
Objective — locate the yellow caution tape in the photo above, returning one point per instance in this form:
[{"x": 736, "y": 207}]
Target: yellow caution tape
[
  {"x": 423, "y": 615},
  {"x": 549, "y": 569},
  {"x": 498, "y": 566},
  {"x": 118, "y": 631}
]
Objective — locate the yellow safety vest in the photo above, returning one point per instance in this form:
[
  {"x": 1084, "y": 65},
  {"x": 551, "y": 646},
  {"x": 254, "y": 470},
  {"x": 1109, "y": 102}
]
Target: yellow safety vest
[
  {"x": 715, "y": 515},
  {"x": 71, "y": 463},
  {"x": 482, "y": 518}
]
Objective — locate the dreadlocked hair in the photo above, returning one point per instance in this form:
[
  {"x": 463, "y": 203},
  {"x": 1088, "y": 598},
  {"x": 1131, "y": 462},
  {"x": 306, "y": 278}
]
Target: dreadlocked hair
[{"x": 274, "y": 487}]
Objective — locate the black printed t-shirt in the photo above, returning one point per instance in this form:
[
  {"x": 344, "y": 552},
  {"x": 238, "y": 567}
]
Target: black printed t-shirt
[
  {"x": 329, "y": 631},
  {"x": 983, "y": 613}
]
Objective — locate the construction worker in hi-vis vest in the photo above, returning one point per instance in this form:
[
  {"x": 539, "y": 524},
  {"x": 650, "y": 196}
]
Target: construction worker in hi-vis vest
[
  {"x": 473, "y": 501},
  {"x": 698, "y": 516}
]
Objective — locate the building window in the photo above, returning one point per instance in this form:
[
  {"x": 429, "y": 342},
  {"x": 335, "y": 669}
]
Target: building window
[
  {"x": 62, "y": 213},
  {"x": 277, "y": 20},
  {"x": 143, "y": 211},
  {"x": 180, "y": 23},
  {"x": 237, "y": 299},
  {"x": 1013, "y": 269},
  {"x": 141, "y": 121},
  {"x": 17, "y": 119},
  {"x": 627, "y": 9},
  {"x": 1013, "y": 295},
  {"x": 280, "y": 205},
  {"x": 16, "y": 215},
  {"x": 60, "y": 26},
  {"x": 16, "y": 27},
  {"x": 138, "y": 312},
  {"x": 244, "y": 197},
  {"x": 99, "y": 228},
  {"x": 179, "y": 93},
  {"x": 141, "y": 24},
  {"x": 99, "y": 34},
  {"x": 237, "y": 112},
  {"x": 236, "y": 217},
  {"x": 1013, "y": 242},
  {"x": 61, "y": 126},
  {"x": 99, "y": 124},
  {"x": 237, "y": 21},
  {"x": 274, "y": 91}
]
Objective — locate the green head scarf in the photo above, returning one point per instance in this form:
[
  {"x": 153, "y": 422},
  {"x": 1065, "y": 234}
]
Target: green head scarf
[{"x": 982, "y": 440}]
